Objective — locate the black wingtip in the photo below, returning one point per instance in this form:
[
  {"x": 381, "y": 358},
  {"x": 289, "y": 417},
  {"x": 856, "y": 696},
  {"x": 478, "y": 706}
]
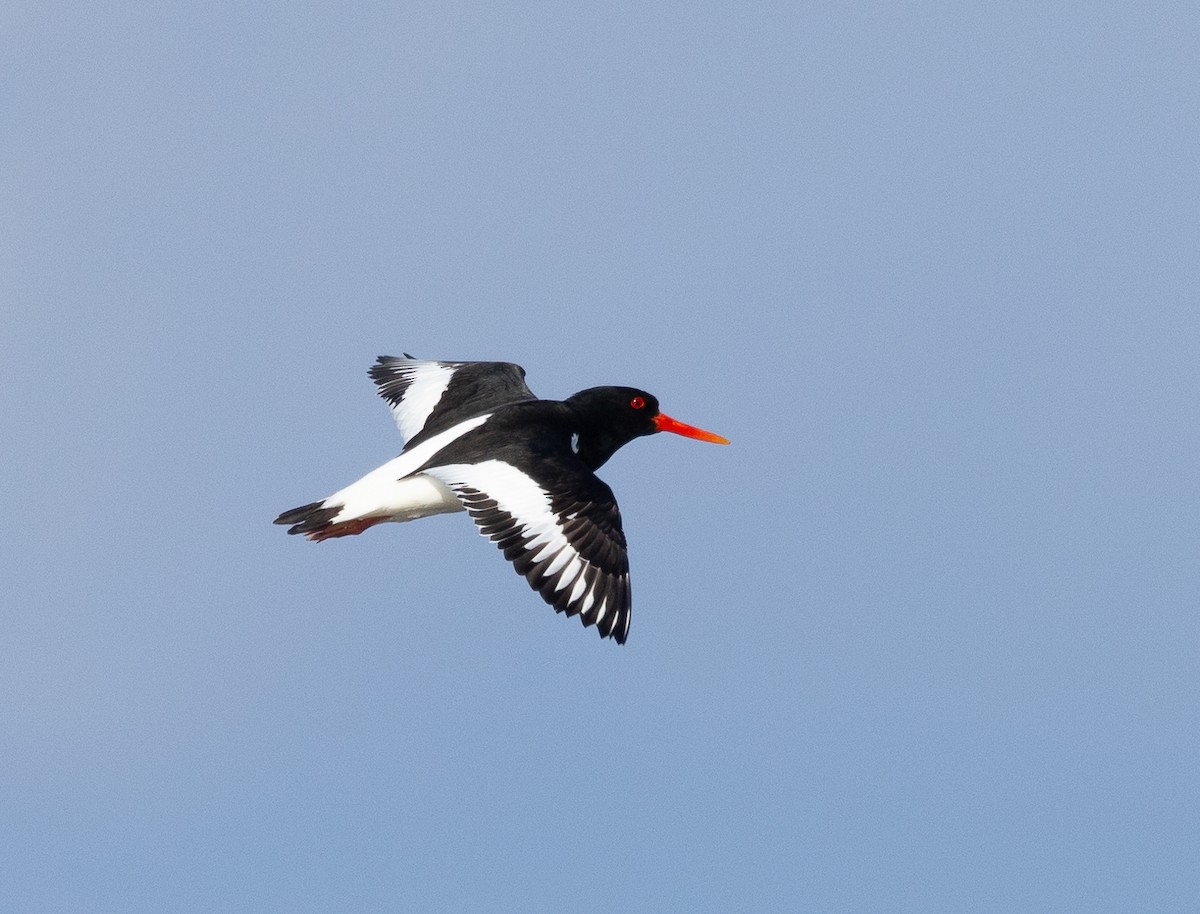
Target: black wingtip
[
  {"x": 385, "y": 359},
  {"x": 385, "y": 367},
  {"x": 619, "y": 628}
]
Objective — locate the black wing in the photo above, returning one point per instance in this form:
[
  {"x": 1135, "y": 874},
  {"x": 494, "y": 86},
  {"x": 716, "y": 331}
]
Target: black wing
[
  {"x": 429, "y": 397},
  {"x": 565, "y": 538}
]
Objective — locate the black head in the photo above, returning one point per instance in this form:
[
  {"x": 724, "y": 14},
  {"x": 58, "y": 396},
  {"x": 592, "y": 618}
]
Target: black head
[{"x": 611, "y": 417}]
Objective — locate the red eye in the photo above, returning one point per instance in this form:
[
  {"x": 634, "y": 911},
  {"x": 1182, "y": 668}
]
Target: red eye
[{"x": 637, "y": 402}]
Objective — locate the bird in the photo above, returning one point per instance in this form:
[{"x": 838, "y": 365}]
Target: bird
[{"x": 478, "y": 440}]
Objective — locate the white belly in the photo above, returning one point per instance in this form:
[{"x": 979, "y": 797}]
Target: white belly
[
  {"x": 380, "y": 495},
  {"x": 395, "y": 492}
]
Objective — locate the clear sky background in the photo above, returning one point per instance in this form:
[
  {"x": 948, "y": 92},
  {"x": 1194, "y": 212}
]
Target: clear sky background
[{"x": 924, "y": 638}]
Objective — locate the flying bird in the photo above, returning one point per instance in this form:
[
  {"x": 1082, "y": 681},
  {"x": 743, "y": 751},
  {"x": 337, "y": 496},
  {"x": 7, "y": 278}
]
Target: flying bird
[{"x": 477, "y": 439}]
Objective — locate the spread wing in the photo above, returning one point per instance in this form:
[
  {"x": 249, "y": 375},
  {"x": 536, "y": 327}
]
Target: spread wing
[
  {"x": 565, "y": 537},
  {"x": 429, "y": 397}
]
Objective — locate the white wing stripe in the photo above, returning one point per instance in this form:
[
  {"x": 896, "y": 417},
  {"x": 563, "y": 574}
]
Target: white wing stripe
[
  {"x": 522, "y": 498},
  {"x": 559, "y": 561},
  {"x": 580, "y": 586},
  {"x": 544, "y": 553},
  {"x": 543, "y": 538},
  {"x": 429, "y": 382},
  {"x": 511, "y": 508},
  {"x": 589, "y": 599},
  {"x": 571, "y": 571}
]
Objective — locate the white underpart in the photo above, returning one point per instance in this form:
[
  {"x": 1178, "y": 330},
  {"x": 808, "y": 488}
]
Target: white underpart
[
  {"x": 518, "y": 495},
  {"x": 429, "y": 382},
  {"x": 394, "y": 492}
]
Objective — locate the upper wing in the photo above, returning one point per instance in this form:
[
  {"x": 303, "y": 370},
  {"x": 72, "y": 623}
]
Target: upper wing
[
  {"x": 429, "y": 397},
  {"x": 566, "y": 538}
]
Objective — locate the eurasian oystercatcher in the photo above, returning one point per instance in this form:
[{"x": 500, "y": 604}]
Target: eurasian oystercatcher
[{"x": 523, "y": 468}]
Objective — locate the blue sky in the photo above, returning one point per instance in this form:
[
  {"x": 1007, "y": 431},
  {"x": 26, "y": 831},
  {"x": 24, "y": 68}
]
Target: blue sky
[{"x": 923, "y": 638}]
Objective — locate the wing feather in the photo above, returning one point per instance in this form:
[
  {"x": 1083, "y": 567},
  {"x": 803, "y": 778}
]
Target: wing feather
[
  {"x": 576, "y": 559},
  {"x": 427, "y": 397}
]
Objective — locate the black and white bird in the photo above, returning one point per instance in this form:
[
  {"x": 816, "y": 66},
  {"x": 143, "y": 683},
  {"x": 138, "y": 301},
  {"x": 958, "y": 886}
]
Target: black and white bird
[{"x": 477, "y": 439}]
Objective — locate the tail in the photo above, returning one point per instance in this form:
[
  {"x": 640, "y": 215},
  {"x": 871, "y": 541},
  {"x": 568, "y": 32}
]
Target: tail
[{"x": 316, "y": 521}]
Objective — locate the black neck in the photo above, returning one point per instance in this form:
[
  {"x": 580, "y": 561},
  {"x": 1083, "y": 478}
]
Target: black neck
[{"x": 594, "y": 448}]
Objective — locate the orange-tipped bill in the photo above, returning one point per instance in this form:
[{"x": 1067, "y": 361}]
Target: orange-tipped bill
[{"x": 665, "y": 423}]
